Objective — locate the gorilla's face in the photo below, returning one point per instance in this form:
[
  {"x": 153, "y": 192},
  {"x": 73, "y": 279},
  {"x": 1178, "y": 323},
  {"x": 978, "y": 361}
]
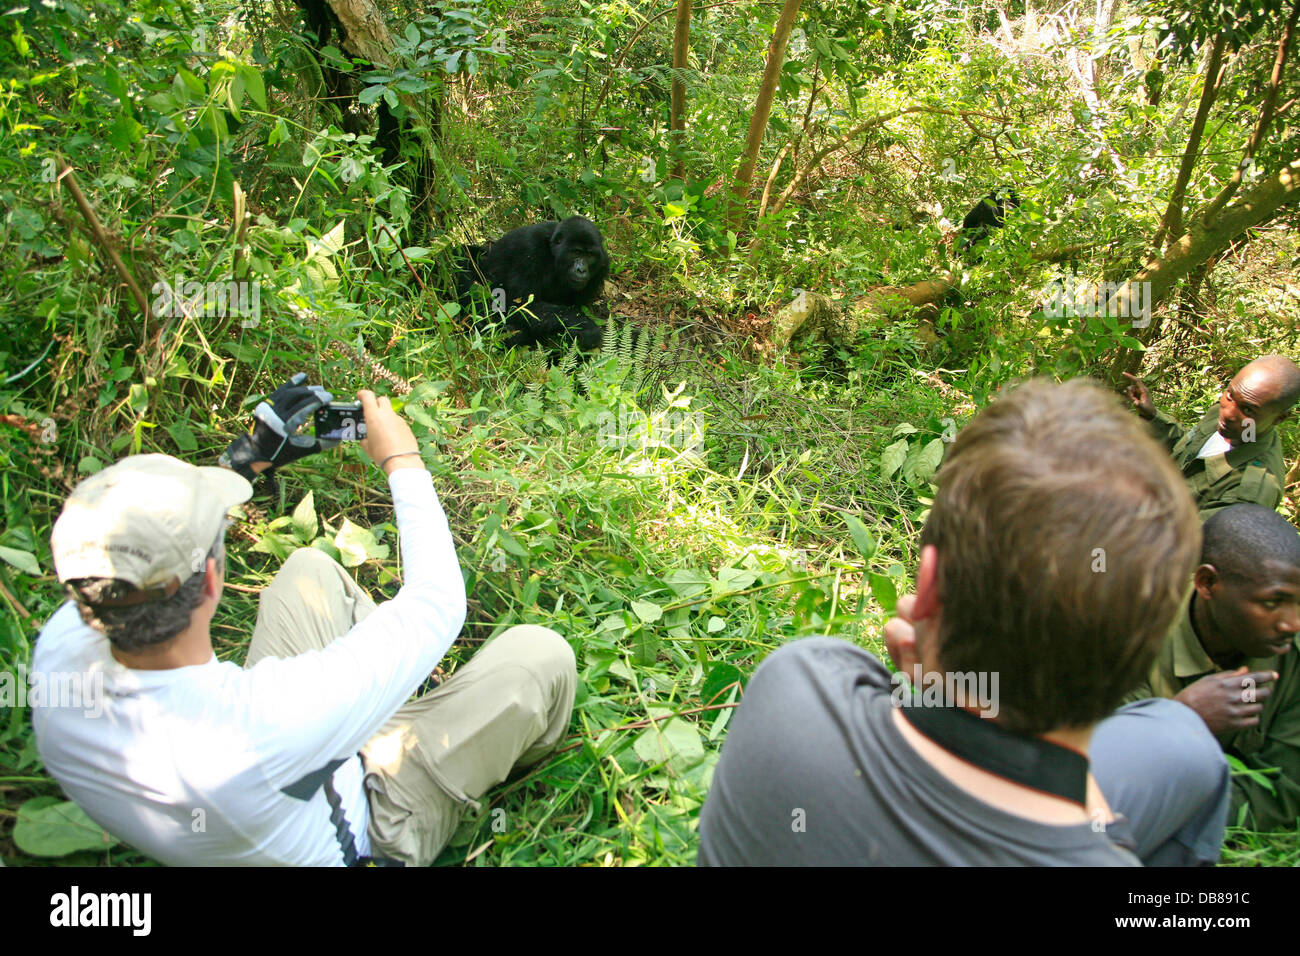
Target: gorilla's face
[{"x": 579, "y": 253}]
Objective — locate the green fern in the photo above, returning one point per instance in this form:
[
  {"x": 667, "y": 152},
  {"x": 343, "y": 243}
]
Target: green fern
[{"x": 643, "y": 359}]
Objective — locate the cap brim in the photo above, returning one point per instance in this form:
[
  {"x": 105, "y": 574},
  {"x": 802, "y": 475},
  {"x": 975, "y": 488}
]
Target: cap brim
[{"x": 228, "y": 487}]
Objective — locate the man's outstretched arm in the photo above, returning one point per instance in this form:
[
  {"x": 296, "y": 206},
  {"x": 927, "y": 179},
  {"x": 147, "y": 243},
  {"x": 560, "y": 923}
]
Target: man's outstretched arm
[
  {"x": 325, "y": 704},
  {"x": 1163, "y": 428}
]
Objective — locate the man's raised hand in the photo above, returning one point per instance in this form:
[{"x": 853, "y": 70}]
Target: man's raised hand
[
  {"x": 389, "y": 441},
  {"x": 1229, "y": 701},
  {"x": 1140, "y": 396}
]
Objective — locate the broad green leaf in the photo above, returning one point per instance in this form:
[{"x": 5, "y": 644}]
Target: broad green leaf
[
  {"x": 124, "y": 132},
  {"x": 614, "y": 623},
  {"x": 24, "y": 561},
  {"x": 304, "y": 517},
  {"x": 883, "y": 590},
  {"x": 254, "y": 85},
  {"x": 332, "y": 242},
  {"x": 923, "y": 462},
  {"x": 276, "y": 544},
  {"x": 675, "y": 741},
  {"x": 183, "y": 436},
  {"x": 716, "y": 684},
  {"x": 716, "y": 624},
  {"x": 647, "y": 611},
  {"x": 48, "y": 826},
  {"x": 243, "y": 352},
  {"x": 510, "y": 544},
  {"x": 356, "y": 544},
  {"x": 686, "y": 583},
  {"x": 645, "y": 647},
  {"x": 893, "y": 457},
  {"x": 138, "y": 398},
  {"x": 417, "y": 413},
  {"x": 733, "y": 579},
  {"x": 861, "y": 536},
  {"x": 323, "y": 543}
]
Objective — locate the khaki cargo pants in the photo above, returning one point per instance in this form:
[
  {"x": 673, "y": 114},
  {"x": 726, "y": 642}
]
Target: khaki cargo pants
[{"x": 507, "y": 708}]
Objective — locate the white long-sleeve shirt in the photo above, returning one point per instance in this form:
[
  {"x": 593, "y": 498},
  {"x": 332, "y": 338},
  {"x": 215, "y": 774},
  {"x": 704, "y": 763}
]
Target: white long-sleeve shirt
[{"x": 190, "y": 765}]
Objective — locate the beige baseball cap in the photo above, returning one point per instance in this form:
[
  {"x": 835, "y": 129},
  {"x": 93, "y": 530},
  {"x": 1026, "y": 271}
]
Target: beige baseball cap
[{"x": 147, "y": 520}]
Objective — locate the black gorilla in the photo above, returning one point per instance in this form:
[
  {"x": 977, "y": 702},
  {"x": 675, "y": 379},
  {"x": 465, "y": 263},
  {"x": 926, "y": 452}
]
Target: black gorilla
[
  {"x": 989, "y": 213},
  {"x": 560, "y": 266}
]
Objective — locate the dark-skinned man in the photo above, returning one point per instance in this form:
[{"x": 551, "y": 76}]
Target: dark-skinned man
[
  {"x": 1233, "y": 455},
  {"x": 1231, "y": 656}
]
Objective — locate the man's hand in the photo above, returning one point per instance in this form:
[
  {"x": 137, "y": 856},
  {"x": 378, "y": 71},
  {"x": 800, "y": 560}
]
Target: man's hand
[
  {"x": 274, "y": 440},
  {"x": 1140, "y": 396},
  {"x": 899, "y": 630},
  {"x": 1229, "y": 700},
  {"x": 387, "y": 434}
]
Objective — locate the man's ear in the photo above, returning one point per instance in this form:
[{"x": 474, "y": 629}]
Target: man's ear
[
  {"x": 928, "y": 600},
  {"x": 1206, "y": 581},
  {"x": 213, "y": 578}
]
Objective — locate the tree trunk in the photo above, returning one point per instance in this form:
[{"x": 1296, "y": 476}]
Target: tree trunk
[
  {"x": 681, "y": 61},
  {"x": 1171, "y": 225},
  {"x": 1262, "y": 123},
  {"x": 366, "y": 36},
  {"x": 762, "y": 110},
  {"x": 1201, "y": 243}
]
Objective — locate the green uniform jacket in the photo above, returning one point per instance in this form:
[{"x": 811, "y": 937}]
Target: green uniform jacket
[
  {"x": 1251, "y": 473},
  {"x": 1274, "y": 743}
]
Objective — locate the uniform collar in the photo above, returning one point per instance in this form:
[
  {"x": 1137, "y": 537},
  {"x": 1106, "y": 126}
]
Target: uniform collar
[
  {"x": 1192, "y": 660},
  {"x": 1216, "y": 466}
]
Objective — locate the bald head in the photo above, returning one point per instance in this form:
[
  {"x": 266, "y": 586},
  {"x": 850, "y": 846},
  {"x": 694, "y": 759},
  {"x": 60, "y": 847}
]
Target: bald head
[
  {"x": 1263, "y": 392},
  {"x": 1277, "y": 377}
]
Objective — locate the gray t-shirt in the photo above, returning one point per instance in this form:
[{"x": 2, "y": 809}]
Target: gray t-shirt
[{"x": 814, "y": 772}]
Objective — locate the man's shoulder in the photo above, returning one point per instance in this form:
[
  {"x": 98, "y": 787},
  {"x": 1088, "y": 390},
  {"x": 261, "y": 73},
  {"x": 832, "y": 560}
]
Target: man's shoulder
[
  {"x": 1260, "y": 481},
  {"x": 814, "y": 671},
  {"x": 65, "y": 635},
  {"x": 806, "y": 691},
  {"x": 814, "y": 654},
  {"x": 69, "y": 651}
]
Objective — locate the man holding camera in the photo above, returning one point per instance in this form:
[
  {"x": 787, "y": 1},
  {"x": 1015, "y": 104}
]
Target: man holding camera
[{"x": 310, "y": 754}]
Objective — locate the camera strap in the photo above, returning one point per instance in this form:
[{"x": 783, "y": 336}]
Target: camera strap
[
  {"x": 323, "y": 778},
  {"x": 1029, "y": 761}
]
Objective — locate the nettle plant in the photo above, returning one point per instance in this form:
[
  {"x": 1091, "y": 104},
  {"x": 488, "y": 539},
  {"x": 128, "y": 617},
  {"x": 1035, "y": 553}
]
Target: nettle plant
[
  {"x": 347, "y": 543},
  {"x": 914, "y": 456}
]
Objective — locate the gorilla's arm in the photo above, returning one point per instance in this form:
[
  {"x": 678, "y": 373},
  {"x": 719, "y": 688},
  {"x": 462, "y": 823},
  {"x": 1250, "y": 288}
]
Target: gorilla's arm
[{"x": 549, "y": 320}]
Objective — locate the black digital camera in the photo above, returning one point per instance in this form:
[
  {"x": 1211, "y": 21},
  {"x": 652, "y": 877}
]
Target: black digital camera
[{"x": 340, "y": 421}]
